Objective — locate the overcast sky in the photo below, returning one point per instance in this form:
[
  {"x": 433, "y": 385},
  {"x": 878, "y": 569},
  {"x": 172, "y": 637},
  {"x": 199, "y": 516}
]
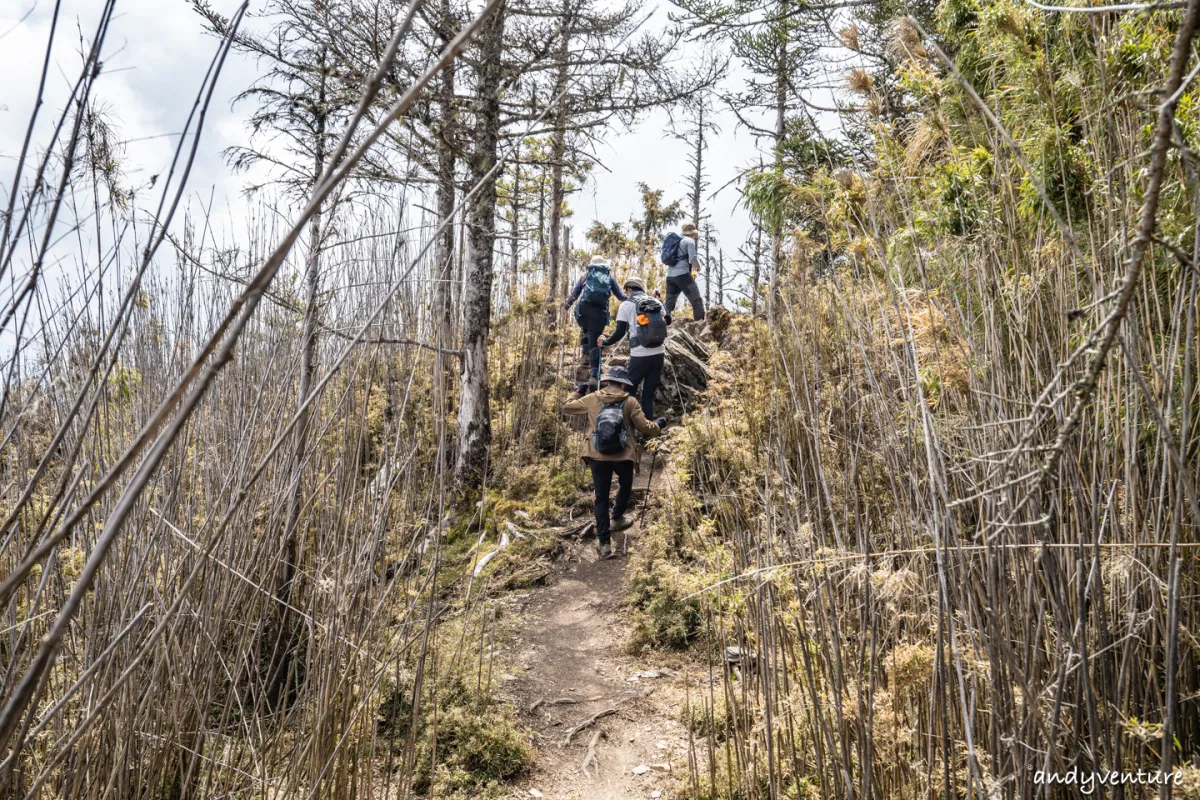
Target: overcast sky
[{"x": 154, "y": 61}]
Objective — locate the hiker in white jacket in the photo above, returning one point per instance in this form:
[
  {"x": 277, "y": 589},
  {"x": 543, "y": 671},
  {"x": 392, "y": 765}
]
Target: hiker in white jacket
[{"x": 643, "y": 319}]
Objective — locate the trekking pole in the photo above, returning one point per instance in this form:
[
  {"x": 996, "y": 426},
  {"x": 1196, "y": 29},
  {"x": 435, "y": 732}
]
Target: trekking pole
[{"x": 649, "y": 486}]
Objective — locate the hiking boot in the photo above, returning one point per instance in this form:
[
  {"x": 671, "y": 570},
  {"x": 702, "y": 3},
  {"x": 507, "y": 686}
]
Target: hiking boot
[
  {"x": 604, "y": 549},
  {"x": 621, "y": 523}
]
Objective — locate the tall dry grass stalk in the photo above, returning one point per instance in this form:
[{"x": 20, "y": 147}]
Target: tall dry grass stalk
[
  {"x": 139, "y": 641},
  {"x": 953, "y": 536}
]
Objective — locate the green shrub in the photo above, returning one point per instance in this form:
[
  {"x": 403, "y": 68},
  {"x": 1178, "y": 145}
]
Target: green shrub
[
  {"x": 467, "y": 741},
  {"x": 664, "y": 615},
  {"x": 478, "y": 748}
]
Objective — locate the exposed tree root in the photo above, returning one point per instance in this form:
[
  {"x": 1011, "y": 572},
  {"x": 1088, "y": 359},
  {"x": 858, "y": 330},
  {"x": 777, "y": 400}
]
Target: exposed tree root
[
  {"x": 590, "y": 757},
  {"x": 587, "y": 724},
  {"x": 564, "y": 701}
]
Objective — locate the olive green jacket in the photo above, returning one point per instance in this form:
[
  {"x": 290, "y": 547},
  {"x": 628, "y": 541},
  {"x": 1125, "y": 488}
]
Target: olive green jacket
[{"x": 634, "y": 420}]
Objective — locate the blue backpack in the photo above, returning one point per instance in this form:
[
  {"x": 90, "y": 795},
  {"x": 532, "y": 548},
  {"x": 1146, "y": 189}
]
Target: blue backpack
[
  {"x": 597, "y": 286},
  {"x": 671, "y": 254}
]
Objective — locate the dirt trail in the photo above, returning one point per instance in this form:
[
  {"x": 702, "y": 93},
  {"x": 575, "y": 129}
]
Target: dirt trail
[{"x": 571, "y": 646}]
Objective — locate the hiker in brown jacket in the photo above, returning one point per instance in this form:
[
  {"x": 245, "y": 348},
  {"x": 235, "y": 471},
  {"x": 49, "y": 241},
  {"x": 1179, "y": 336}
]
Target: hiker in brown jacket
[{"x": 611, "y": 448}]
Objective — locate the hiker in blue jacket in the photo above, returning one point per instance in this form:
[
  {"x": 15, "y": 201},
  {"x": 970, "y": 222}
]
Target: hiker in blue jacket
[
  {"x": 680, "y": 257},
  {"x": 592, "y": 291}
]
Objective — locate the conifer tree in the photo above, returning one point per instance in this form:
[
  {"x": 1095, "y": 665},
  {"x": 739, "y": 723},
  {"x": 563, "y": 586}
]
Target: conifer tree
[
  {"x": 777, "y": 44},
  {"x": 698, "y": 135}
]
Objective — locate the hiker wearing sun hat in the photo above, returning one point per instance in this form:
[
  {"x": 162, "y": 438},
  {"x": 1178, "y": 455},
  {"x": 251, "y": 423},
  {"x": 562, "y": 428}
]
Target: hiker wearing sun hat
[
  {"x": 679, "y": 254},
  {"x": 592, "y": 290},
  {"x": 611, "y": 448},
  {"x": 645, "y": 320}
]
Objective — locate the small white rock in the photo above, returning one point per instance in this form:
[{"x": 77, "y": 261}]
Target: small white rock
[
  {"x": 535, "y": 793},
  {"x": 656, "y": 794},
  {"x": 640, "y": 769}
]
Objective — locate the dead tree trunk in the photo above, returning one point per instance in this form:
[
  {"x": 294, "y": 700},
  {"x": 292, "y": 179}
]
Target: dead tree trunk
[
  {"x": 443, "y": 257},
  {"x": 288, "y": 631},
  {"x": 708, "y": 275},
  {"x": 756, "y": 277},
  {"x": 721, "y": 279},
  {"x": 514, "y": 228},
  {"x": 781, "y": 103},
  {"x": 698, "y": 162},
  {"x": 474, "y": 413},
  {"x": 541, "y": 218},
  {"x": 558, "y": 150},
  {"x": 566, "y": 259}
]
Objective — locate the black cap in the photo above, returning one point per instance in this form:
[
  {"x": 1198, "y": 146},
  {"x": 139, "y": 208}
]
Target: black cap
[{"x": 618, "y": 375}]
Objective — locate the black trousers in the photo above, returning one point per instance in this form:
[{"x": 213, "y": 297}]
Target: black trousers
[
  {"x": 685, "y": 285},
  {"x": 592, "y": 321},
  {"x": 602, "y": 475},
  {"x": 646, "y": 374}
]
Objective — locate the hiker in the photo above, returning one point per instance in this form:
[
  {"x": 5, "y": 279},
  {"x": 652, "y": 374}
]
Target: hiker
[
  {"x": 613, "y": 417},
  {"x": 592, "y": 290},
  {"x": 645, "y": 321},
  {"x": 679, "y": 254}
]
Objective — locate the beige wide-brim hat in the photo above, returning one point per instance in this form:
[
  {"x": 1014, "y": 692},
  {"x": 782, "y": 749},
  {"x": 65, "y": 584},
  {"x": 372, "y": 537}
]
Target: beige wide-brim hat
[
  {"x": 689, "y": 227},
  {"x": 633, "y": 280},
  {"x": 598, "y": 259}
]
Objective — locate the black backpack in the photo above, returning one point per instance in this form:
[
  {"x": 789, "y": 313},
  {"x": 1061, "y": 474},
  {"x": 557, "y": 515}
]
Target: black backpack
[
  {"x": 651, "y": 329},
  {"x": 610, "y": 437}
]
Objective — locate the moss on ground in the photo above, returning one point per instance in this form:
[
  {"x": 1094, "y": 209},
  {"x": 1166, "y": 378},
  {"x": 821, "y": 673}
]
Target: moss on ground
[{"x": 467, "y": 742}]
